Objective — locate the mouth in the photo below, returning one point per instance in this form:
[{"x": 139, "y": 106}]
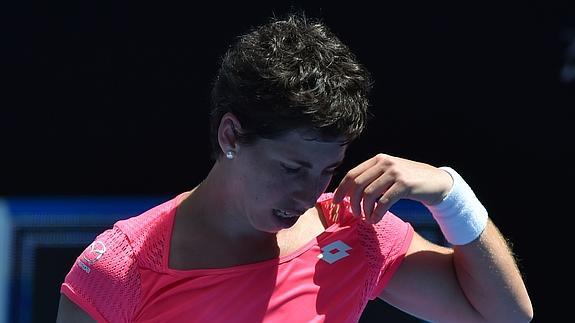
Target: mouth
[
  {"x": 286, "y": 213},
  {"x": 287, "y": 217}
]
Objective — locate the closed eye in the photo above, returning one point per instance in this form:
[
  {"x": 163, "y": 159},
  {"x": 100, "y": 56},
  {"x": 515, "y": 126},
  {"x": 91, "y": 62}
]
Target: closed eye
[{"x": 290, "y": 170}]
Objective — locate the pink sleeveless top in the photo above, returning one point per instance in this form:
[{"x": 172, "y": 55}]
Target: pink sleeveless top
[{"x": 123, "y": 276}]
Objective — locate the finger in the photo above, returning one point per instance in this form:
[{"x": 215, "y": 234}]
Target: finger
[
  {"x": 348, "y": 179},
  {"x": 396, "y": 192},
  {"x": 374, "y": 191},
  {"x": 356, "y": 191}
]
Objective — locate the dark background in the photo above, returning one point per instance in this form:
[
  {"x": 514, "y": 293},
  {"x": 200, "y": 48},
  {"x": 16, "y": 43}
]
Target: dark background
[{"x": 111, "y": 98}]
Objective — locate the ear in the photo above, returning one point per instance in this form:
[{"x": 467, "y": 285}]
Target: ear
[{"x": 229, "y": 126}]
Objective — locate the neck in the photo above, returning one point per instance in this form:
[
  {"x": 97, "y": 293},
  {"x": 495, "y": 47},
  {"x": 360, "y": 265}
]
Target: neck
[{"x": 213, "y": 205}]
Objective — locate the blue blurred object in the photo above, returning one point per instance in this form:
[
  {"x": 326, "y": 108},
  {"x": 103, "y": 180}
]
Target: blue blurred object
[{"x": 30, "y": 225}]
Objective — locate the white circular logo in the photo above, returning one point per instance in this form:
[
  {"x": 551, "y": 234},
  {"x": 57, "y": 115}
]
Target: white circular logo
[{"x": 94, "y": 252}]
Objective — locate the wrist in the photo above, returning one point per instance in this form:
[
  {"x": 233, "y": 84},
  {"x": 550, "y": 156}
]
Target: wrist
[
  {"x": 460, "y": 215},
  {"x": 442, "y": 195}
]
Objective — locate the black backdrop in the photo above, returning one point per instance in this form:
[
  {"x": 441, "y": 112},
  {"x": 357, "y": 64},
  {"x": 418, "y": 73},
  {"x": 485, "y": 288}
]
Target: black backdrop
[{"x": 110, "y": 98}]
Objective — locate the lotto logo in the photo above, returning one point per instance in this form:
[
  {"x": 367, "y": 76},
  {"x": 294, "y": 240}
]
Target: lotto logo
[{"x": 334, "y": 251}]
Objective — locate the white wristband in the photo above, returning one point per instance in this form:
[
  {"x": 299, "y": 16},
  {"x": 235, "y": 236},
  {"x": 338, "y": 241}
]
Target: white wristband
[{"x": 461, "y": 217}]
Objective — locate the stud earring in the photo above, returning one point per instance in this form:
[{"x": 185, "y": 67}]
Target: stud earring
[{"x": 230, "y": 154}]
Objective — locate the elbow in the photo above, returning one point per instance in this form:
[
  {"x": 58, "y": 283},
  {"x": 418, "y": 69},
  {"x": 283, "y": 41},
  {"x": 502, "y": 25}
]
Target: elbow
[
  {"x": 526, "y": 310},
  {"x": 522, "y": 318},
  {"x": 528, "y": 314},
  {"x": 523, "y": 313},
  {"x": 522, "y": 310}
]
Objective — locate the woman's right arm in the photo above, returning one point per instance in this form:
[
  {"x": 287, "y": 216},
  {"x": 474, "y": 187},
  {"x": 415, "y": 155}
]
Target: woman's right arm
[{"x": 68, "y": 311}]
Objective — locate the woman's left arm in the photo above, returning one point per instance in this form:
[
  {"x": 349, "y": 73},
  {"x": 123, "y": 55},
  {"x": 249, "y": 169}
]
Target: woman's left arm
[{"x": 476, "y": 281}]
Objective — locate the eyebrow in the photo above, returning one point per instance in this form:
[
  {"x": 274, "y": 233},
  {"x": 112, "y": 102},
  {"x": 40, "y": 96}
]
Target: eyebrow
[{"x": 308, "y": 165}]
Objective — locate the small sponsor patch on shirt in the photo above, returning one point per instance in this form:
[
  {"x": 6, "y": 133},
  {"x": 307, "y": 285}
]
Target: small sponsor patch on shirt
[
  {"x": 91, "y": 255},
  {"x": 83, "y": 266}
]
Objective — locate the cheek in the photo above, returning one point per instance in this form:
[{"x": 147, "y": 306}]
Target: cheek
[
  {"x": 277, "y": 184},
  {"x": 263, "y": 184}
]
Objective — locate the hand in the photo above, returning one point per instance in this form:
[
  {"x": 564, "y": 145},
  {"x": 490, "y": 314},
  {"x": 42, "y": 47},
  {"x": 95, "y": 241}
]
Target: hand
[{"x": 383, "y": 180}]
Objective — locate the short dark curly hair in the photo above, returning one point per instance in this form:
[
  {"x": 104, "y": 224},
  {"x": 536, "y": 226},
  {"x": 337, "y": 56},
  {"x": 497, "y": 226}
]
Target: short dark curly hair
[{"x": 290, "y": 73}]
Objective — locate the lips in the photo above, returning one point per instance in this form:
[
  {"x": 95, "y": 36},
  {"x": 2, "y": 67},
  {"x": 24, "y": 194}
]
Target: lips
[
  {"x": 287, "y": 218},
  {"x": 282, "y": 213}
]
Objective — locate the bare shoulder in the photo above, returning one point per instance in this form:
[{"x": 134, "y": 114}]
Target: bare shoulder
[{"x": 68, "y": 311}]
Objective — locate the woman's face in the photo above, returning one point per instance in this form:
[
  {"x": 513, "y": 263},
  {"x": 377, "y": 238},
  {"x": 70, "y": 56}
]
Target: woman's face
[{"x": 279, "y": 179}]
